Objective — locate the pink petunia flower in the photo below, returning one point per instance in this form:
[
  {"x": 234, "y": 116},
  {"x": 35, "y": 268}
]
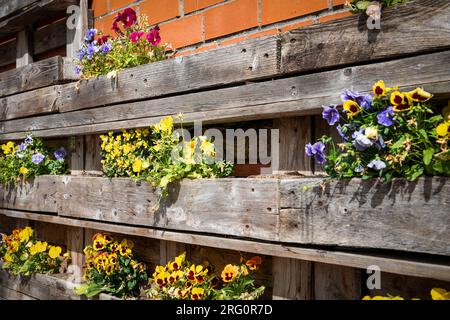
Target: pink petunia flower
[
  {"x": 136, "y": 35},
  {"x": 153, "y": 36}
]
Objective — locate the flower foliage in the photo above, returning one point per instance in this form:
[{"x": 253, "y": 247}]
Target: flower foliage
[
  {"x": 156, "y": 155},
  {"x": 24, "y": 255},
  {"x": 357, "y": 6},
  {"x": 182, "y": 280},
  {"x": 111, "y": 267},
  {"x": 436, "y": 294},
  {"x": 387, "y": 134},
  {"x": 135, "y": 44},
  {"x": 29, "y": 159}
]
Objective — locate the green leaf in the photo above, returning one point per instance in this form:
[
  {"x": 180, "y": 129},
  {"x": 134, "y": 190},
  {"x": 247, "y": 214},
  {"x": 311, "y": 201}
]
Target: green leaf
[
  {"x": 428, "y": 155},
  {"x": 399, "y": 143}
]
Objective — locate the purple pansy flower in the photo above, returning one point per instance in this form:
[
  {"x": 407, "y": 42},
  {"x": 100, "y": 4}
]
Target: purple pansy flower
[
  {"x": 90, "y": 34},
  {"x": 376, "y": 165},
  {"x": 331, "y": 114},
  {"x": 60, "y": 154},
  {"x": 364, "y": 100},
  {"x": 385, "y": 117},
  {"x": 316, "y": 150},
  {"x": 106, "y": 47},
  {"x": 359, "y": 169},
  {"x": 361, "y": 142},
  {"x": 341, "y": 133},
  {"x": 77, "y": 70},
  {"x": 37, "y": 158}
]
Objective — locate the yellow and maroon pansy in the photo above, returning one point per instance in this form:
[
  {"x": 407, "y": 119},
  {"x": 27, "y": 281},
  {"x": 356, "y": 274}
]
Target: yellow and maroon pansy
[
  {"x": 419, "y": 95},
  {"x": 254, "y": 263},
  {"x": 400, "y": 101},
  {"x": 197, "y": 293},
  {"x": 229, "y": 273},
  {"x": 352, "y": 108},
  {"x": 379, "y": 88}
]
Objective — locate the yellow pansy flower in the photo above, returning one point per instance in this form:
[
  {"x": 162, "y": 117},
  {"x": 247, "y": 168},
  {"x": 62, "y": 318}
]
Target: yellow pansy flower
[
  {"x": 379, "y": 88},
  {"x": 443, "y": 129},
  {"x": 229, "y": 273},
  {"x": 25, "y": 234},
  {"x": 9, "y": 147},
  {"x": 54, "y": 252},
  {"x": 177, "y": 263},
  {"x": 165, "y": 125},
  {"x": 352, "y": 108},
  {"x": 138, "y": 165},
  {"x": 400, "y": 101},
  {"x": 197, "y": 293},
  {"x": 8, "y": 258},
  {"x": 23, "y": 170},
  {"x": 419, "y": 95},
  {"x": 440, "y": 294},
  {"x": 38, "y": 247}
]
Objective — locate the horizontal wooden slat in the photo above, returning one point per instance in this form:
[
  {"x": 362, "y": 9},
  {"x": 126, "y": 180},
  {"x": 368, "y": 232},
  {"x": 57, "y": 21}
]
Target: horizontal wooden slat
[
  {"x": 35, "y": 75},
  {"x": 404, "y": 216},
  {"x": 15, "y": 14},
  {"x": 410, "y": 216},
  {"x": 50, "y": 37},
  {"x": 415, "y": 27},
  {"x": 418, "y": 267},
  {"x": 8, "y": 53},
  {"x": 299, "y": 95}
]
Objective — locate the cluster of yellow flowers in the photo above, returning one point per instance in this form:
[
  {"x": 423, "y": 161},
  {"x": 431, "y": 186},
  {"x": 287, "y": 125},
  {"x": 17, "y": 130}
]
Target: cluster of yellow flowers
[
  {"x": 111, "y": 267},
  {"x": 104, "y": 254},
  {"x": 181, "y": 280},
  {"x": 436, "y": 294},
  {"x": 23, "y": 254}
]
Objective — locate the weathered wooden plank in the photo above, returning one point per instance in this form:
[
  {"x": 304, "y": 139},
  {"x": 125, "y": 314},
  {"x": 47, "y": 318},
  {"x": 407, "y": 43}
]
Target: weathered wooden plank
[
  {"x": 433, "y": 267},
  {"x": 75, "y": 36},
  {"x": 292, "y": 279},
  {"x": 333, "y": 282},
  {"x": 8, "y": 53},
  {"x": 401, "y": 215},
  {"x": 24, "y": 48},
  {"x": 15, "y": 15},
  {"x": 32, "y": 76},
  {"x": 208, "y": 205},
  {"x": 75, "y": 245},
  {"x": 50, "y": 37},
  {"x": 237, "y": 63},
  {"x": 35, "y": 195},
  {"x": 300, "y": 95},
  {"x": 348, "y": 41},
  {"x": 8, "y": 294}
]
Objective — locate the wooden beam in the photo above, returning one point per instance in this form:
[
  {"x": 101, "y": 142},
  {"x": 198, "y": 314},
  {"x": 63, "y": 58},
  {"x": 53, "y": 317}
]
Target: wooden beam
[
  {"x": 301, "y": 95},
  {"x": 24, "y": 49},
  {"x": 75, "y": 36},
  {"x": 416, "y": 267},
  {"x": 292, "y": 279},
  {"x": 332, "y": 282}
]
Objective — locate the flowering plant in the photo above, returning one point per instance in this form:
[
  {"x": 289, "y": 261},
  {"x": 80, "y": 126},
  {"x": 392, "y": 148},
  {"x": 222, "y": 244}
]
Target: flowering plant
[
  {"x": 390, "y": 134},
  {"x": 436, "y": 294},
  {"x": 357, "y": 6},
  {"x": 135, "y": 44},
  {"x": 29, "y": 159},
  {"x": 24, "y": 255},
  {"x": 182, "y": 280},
  {"x": 111, "y": 267},
  {"x": 156, "y": 155}
]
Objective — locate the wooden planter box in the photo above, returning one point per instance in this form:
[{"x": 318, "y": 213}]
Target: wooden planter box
[
  {"x": 40, "y": 287},
  {"x": 404, "y": 216}
]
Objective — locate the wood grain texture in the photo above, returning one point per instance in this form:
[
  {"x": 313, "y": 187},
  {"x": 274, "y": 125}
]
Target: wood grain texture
[
  {"x": 292, "y": 279},
  {"x": 333, "y": 282},
  {"x": 24, "y": 48},
  {"x": 349, "y": 41},
  {"x": 431, "y": 267},
  {"x": 408, "y": 216},
  {"x": 50, "y": 37},
  {"x": 36, "y": 75},
  {"x": 237, "y": 63},
  {"x": 301, "y": 95},
  {"x": 8, "y": 53}
]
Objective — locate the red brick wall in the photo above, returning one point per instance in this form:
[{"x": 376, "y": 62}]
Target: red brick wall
[{"x": 198, "y": 25}]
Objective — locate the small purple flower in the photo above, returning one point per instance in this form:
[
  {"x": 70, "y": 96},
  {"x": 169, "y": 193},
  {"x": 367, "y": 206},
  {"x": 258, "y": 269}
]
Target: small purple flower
[
  {"x": 376, "y": 165},
  {"x": 380, "y": 143},
  {"x": 91, "y": 49},
  {"x": 316, "y": 150},
  {"x": 77, "y": 70},
  {"x": 359, "y": 169},
  {"x": 106, "y": 47},
  {"x": 361, "y": 142},
  {"x": 341, "y": 133},
  {"x": 28, "y": 139},
  {"x": 331, "y": 114},
  {"x": 349, "y": 95},
  {"x": 385, "y": 117},
  {"x": 60, "y": 154},
  {"x": 37, "y": 158},
  {"x": 90, "y": 34}
]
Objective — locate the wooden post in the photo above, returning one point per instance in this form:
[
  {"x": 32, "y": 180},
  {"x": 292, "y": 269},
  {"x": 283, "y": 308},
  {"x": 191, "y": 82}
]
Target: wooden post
[
  {"x": 75, "y": 246},
  {"x": 168, "y": 250},
  {"x": 24, "y": 48},
  {"x": 93, "y": 157},
  {"x": 75, "y": 35},
  {"x": 332, "y": 282},
  {"x": 291, "y": 279},
  {"x": 295, "y": 133}
]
